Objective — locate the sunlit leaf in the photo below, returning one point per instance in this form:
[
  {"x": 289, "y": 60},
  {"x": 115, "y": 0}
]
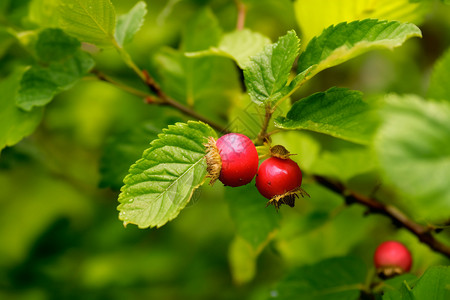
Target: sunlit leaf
[
  {"x": 338, "y": 112},
  {"x": 91, "y": 21},
  {"x": 413, "y": 148},
  {"x": 242, "y": 257},
  {"x": 161, "y": 183},
  {"x": 315, "y": 16},
  {"x": 268, "y": 72},
  {"x": 130, "y": 23},
  {"x": 44, "y": 12},
  {"x": 238, "y": 45}
]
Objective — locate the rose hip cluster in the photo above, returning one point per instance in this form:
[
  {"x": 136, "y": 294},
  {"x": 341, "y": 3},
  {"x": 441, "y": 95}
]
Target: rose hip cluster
[{"x": 233, "y": 160}]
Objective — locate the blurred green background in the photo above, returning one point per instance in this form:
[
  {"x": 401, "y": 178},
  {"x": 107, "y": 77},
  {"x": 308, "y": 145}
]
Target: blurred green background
[{"x": 59, "y": 229}]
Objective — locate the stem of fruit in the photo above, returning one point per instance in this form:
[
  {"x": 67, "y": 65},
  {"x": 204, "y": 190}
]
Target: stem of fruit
[
  {"x": 398, "y": 218},
  {"x": 241, "y": 13},
  {"x": 262, "y": 135}
]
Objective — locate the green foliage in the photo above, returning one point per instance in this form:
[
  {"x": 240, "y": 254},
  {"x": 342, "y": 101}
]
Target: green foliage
[
  {"x": 127, "y": 25},
  {"x": 121, "y": 151},
  {"x": 334, "y": 278},
  {"x": 195, "y": 80},
  {"x": 239, "y": 45},
  {"x": 338, "y": 112},
  {"x": 61, "y": 237},
  {"x": 267, "y": 73},
  {"x": 14, "y": 122},
  {"x": 253, "y": 223},
  {"x": 161, "y": 183},
  {"x": 91, "y": 21},
  {"x": 242, "y": 257},
  {"x": 421, "y": 142},
  {"x": 439, "y": 88}
]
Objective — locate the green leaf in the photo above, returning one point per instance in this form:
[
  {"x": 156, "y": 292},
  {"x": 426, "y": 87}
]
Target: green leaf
[
  {"x": 336, "y": 278},
  {"x": 268, "y": 72},
  {"x": 121, "y": 151},
  {"x": 344, "y": 41},
  {"x": 130, "y": 23},
  {"x": 314, "y": 16},
  {"x": 304, "y": 241},
  {"x": 413, "y": 149},
  {"x": 394, "y": 288},
  {"x": 161, "y": 183},
  {"x": 15, "y": 123},
  {"x": 53, "y": 44},
  {"x": 91, "y": 21},
  {"x": 238, "y": 45},
  {"x": 339, "y": 112},
  {"x": 196, "y": 81},
  {"x": 434, "y": 284},
  {"x": 242, "y": 257},
  {"x": 254, "y": 222},
  {"x": 439, "y": 88},
  {"x": 201, "y": 32},
  {"x": 40, "y": 84}
]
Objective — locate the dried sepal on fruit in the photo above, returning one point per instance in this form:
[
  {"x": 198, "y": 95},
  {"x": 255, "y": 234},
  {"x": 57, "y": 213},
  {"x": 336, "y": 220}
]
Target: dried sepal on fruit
[
  {"x": 280, "y": 152},
  {"x": 213, "y": 160},
  {"x": 287, "y": 198},
  {"x": 232, "y": 159}
]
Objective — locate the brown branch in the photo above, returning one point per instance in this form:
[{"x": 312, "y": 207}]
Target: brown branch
[
  {"x": 131, "y": 90},
  {"x": 155, "y": 88},
  {"x": 423, "y": 233},
  {"x": 161, "y": 98}
]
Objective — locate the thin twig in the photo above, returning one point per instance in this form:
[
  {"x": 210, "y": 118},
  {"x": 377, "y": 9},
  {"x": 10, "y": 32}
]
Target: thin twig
[
  {"x": 423, "y": 233},
  {"x": 155, "y": 88},
  {"x": 241, "y": 14},
  {"x": 129, "y": 89}
]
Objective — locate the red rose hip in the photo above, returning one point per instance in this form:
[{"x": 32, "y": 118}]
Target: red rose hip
[
  {"x": 279, "y": 180},
  {"x": 232, "y": 159},
  {"x": 392, "y": 258}
]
